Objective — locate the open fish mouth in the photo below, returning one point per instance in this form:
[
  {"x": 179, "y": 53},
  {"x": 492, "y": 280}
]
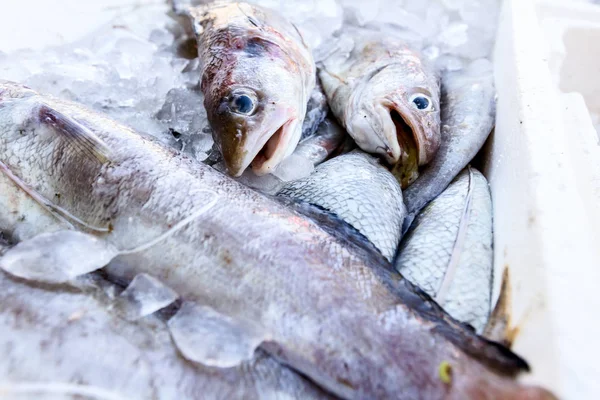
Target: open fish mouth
[
  {"x": 406, "y": 169},
  {"x": 273, "y": 149}
]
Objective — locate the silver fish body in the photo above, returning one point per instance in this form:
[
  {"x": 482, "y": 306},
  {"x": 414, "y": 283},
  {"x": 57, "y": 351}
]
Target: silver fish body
[
  {"x": 468, "y": 115},
  {"x": 359, "y": 190},
  {"x": 318, "y": 147},
  {"x": 321, "y": 303},
  {"x": 385, "y": 95},
  {"x": 85, "y": 347},
  {"x": 257, "y": 76},
  {"x": 448, "y": 251}
]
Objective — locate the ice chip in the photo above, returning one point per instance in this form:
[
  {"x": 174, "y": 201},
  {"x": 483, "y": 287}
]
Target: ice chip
[
  {"x": 449, "y": 63},
  {"x": 205, "y": 336},
  {"x": 294, "y": 167},
  {"x": 57, "y": 257},
  {"x": 144, "y": 296},
  {"x": 454, "y": 35},
  {"x": 480, "y": 67},
  {"x": 269, "y": 183},
  {"x": 431, "y": 52},
  {"x": 362, "y": 11}
]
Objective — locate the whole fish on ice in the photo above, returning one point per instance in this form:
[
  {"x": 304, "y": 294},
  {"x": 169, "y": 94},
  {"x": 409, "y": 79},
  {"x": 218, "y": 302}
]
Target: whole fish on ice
[
  {"x": 448, "y": 250},
  {"x": 261, "y": 274},
  {"x": 468, "y": 115},
  {"x": 386, "y": 97},
  {"x": 257, "y": 75}
]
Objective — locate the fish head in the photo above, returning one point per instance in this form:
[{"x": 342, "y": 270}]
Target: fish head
[
  {"x": 397, "y": 113},
  {"x": 257, "y": 117}
]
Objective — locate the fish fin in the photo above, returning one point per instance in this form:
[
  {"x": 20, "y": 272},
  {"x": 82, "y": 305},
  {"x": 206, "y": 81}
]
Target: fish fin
[
  {"x": 499, "y": 324},
  {"x": 80, "y": 138},
  {"x": 55, "y": 210},
  {"x": 208, "y": 337},
  {"x": 494, "y": 355},
  {"x": 336, "y": 227},
  {"x": 57, "y": 257},
  {"x": 144, "y": 296},
  {"x": 459, "y": 243}
]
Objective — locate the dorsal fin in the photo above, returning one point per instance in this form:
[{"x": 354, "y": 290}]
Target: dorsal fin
[
  {"x": 335, "y": 226},
  {"x": 494, "y": 355}
]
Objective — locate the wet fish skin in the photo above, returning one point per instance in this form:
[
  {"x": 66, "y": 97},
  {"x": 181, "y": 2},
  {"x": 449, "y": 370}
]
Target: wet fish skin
[
  {"x": 318, "y": 147},
  {"x": 330, "y": 307},
  {"x": 448, "y": 251},
  {"x": 468, "y": 116},
  {"x": 52, "y": 326},
  {"x": 257, "y": 75},
  {"x": 359, "y": 190},
  {"x": 369, "y": 80}
]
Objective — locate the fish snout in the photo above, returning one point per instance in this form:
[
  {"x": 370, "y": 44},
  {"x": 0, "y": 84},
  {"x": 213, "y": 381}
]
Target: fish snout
[{"x": 274, "y": 148}]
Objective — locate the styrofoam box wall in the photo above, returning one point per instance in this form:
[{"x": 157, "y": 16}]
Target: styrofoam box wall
[
  {"x": 543, "y": 167},
  {"x": 542, "y": 162}
]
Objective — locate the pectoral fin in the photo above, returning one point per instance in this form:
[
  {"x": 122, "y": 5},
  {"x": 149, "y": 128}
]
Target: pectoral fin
[{"x": 80, "y": 138}]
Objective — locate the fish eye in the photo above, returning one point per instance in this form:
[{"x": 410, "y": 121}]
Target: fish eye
[
  {"x": 242, "y": 104},
  {"x": 421, "y": 102}
]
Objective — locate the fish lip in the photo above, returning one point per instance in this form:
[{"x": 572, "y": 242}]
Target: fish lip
[
  {"x": 252, "y": 147},
  {"x": 418, "y": 133},
  {"x": 262, "y": 165}
]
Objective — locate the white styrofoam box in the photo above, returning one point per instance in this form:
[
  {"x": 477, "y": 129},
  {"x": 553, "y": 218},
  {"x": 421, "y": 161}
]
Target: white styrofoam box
[{"x": 545, "y": 209}]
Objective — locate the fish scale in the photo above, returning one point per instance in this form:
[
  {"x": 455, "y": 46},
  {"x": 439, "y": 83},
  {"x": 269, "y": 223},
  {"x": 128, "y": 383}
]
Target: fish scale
[
  {"x": 359, "y": 190},
  {"x": 425, "y": 256}
]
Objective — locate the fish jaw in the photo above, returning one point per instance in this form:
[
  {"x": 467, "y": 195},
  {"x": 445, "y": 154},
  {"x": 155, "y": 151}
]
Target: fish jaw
[
  {"x": 240, "y": 149},
  {"x": 276, "y": 147},
  {"x": 409, "y": 128},
  {"x": 387, "y": 127}
]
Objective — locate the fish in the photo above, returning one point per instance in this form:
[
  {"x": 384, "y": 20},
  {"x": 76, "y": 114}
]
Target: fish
[
  {"x": 268, "y": 275},
  {"x": 448, "y": 252},
  {"x": 50, "y": 327},
  {"x": 385, "y": 95},
  {"x": 359, "y": 190},
  {"x": 257, "y": 75},
  {"x": 316, "y": 112},
  {"x": 468, "y": 117},
  {"x": 323, "y": 143}
]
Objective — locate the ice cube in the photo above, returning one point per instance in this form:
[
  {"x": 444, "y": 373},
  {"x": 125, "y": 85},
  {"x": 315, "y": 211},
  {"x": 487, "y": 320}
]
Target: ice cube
[
  {"x": 269, "y": 183},
  {"x": 57, "y": 257},
  {"x": 362, "y": 12},
  {"x": 208, "y": 337},
  {"x": 144, "y": 296},
  {"x": 294, "y": 167},
  {"x": 449, "y": 63},
  {"x": 453, "y": 36},
  {"x": 431, "y": 52}
]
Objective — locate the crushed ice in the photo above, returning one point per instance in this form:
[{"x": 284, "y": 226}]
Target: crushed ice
[
  {"x": 57, "y": 257},
  {"x": 140, "y": 68},
  {"x": 205, "y": 336},
  {"x": 144, "y": 296}
]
